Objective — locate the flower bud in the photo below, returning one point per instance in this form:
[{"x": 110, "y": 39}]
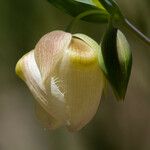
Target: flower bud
[{"x": 63, "y": 74}]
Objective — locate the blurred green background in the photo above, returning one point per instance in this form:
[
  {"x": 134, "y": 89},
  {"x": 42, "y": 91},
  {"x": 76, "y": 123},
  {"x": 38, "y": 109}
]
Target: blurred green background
[{"x": 116, "y": 126}]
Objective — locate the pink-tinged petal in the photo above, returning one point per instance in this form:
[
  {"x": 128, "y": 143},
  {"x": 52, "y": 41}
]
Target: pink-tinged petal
[{"x": 49, "y": 51}]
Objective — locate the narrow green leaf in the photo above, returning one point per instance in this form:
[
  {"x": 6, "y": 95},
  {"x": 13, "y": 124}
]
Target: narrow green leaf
[
  {"x": 110, "y": 5},
  {"x": 98, "y": 4},
  {"x": 115, "y": 59},
  {"x": 74, "y": 8},
  {"x": 85, "y": 1},
  {"x": 112, "y": 8}
]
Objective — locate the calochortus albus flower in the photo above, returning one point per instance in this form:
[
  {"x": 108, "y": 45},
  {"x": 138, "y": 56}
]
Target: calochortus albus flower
[{"x": 63, "y": 74}]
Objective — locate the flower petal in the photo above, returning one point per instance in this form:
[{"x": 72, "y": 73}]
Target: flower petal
[
  {"x": 27, "y": 69},
  {"x": 45, "y": 118},
  {"x": 92, "y": 43},
  {"x": 49, "y": 50},
  {"x": 82, "y": 84}
]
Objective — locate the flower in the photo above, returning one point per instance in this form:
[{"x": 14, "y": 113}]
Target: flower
[{"x": 63, "y": 74}]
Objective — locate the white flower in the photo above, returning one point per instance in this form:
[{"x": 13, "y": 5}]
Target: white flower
[{"x": 63, "y": 74}]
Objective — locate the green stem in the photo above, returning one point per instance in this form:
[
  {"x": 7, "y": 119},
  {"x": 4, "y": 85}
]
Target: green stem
[
  {"x": 112, "y": 7},
  {"x": 124, "y": 23},
  {"x": 134, "y": 30},
  {"x": 80, "y": 16}
]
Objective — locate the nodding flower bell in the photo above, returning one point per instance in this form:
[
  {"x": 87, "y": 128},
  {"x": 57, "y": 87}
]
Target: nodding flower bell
[{"x": 63, "y": 74}]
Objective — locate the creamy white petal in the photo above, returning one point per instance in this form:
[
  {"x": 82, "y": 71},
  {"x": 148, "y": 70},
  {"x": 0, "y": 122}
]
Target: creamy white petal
[
  {"x": 45, "y": 118},
  {"x": 27, "y": 69},
  {"x": 49, "y": 50},
  {"x": 82, "y": 83}
]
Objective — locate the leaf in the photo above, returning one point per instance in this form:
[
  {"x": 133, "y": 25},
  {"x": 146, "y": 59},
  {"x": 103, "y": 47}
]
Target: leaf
[
  {"x": 110, "y": 5},
  {"x": 74, "y": 8},
  {"x": 85, "y": 1},
  {"x": 115, "y": 59},
  {"x": 112, "y": 8},
  {"x": 98, "y": 4}
]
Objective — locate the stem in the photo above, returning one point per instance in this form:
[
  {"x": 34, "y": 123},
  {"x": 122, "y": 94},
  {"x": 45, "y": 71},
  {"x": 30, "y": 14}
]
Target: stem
[
  {"x": 80, "y": 16},
  {"x": 126, "y": 24},
  {"x": 138, "y": 33}
]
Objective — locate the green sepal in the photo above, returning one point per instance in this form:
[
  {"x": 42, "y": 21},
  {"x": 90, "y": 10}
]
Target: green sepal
[
  {"x": 74, "y": 8},
  {"x": 115, "y": 59}
]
